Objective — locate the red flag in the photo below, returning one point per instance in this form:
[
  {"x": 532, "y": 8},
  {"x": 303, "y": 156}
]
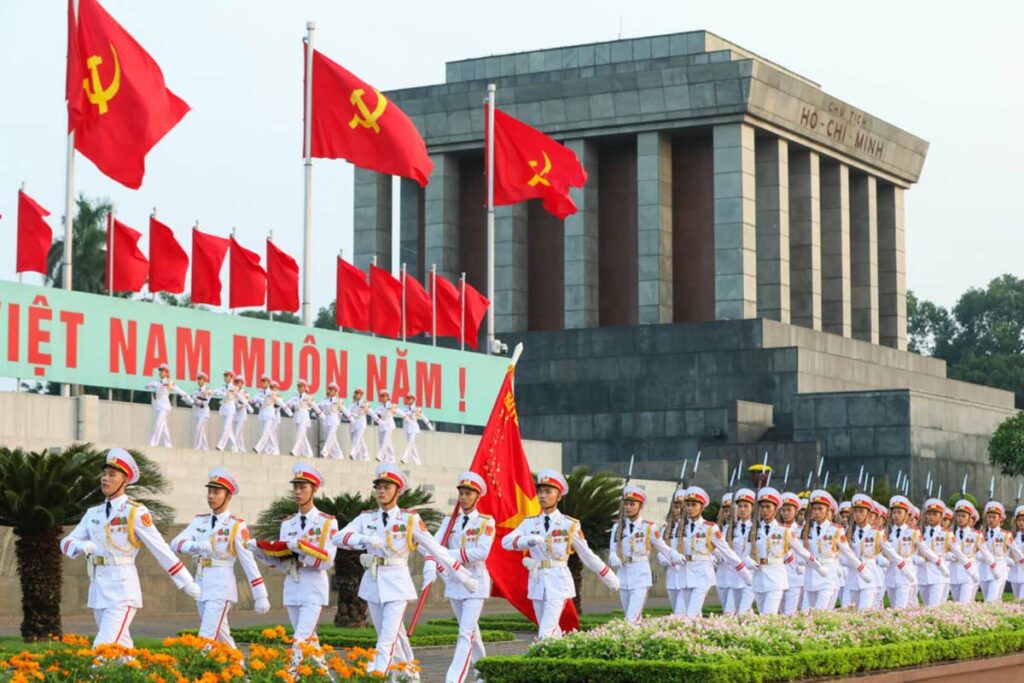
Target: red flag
[
  {"x": 511, "y": 497},
  {"x": 168, "y": 261},
  {"x": 248, "y": 279},
  {"x": 118, "y": 104},
  {"x": 418, "y": 308},
  {"x": 449, "y": 307},
  {"x": 208, "y": 253},
  {"x": 476, "y": 309},
  {"x": 130, "y": 265},
  {"x": 34, "y": 236},
  {"x": 385, "y": 303},
  {"x": 353, "y": 120},
  {"x": 352, "y": 305},
  {"x": 282, "y": 280},
  {"x": 529, "y": 164}
]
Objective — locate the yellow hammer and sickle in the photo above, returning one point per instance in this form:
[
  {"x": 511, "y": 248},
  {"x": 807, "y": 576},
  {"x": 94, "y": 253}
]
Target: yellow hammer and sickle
[
  {"x": 368, "y": 118},
  {"x": 538, "y": 178},
  {"x": 99, "y": 95}
]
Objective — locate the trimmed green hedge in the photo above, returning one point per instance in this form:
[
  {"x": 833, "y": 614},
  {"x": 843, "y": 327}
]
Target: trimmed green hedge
[
  {"x": 519, "y": 623},
  {"x": 817, "y": 664},
  {"x": 334, "y": 636}
]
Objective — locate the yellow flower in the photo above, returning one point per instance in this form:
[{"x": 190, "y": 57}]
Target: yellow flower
[{"x": 284, "y": 676}]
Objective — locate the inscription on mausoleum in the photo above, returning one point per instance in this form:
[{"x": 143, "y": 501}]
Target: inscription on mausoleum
[{"x": 844, "y": 125}]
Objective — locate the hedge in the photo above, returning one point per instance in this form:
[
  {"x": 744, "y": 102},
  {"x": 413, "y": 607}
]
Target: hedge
[
  {"x": 833, "y": 663},
  {"x": 366, "y": 638},
  {"x": 519, "y": 623}
]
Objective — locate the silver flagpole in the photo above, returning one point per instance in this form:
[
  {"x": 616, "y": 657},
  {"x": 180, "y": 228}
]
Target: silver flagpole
[
  {"x": 110, "y": 242},
  {"x": 403, "y": 303},
  {"x": 462, "y": 312},
  {"x": 69, "y": 201},
  {"x": 373, "y": 262},
  {"x": 270, "y": 238},
  {"x": 433, "y": 304},
  {"x": 152, "y": 295},
  {"x": 307, "y": 212},
  {"x": 337, "y": 296},
  {"x": 490, "y": 218}
]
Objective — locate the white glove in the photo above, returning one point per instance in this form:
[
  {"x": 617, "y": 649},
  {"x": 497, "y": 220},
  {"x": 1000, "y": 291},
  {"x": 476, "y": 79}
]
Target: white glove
[
  {"x": 293, "y": 545},
  {"x": 191, "y": 589},
  {"x": 865, "y": 575},
  {"x": 677, "y": 557},
  {"x": 202, "y": 548},
  {"x": 611, "y": 580},
  {"x": 534, "y": 539},
  {"x": 820, "y": 568},
  {"x": 251, "y": 544},
  {"x": 975, "y": 576},
  {"x": 429, "y": 573},
  {"x": 613, "y": 561},
  {"x": 87, "y": 547},
  {"x": 262, "y": 606},
  {"x": 942, "y": 568},
  {"x": 375, "y": 542},
  {"x": 906, "y": 568},
  {"x": 468, "y": 582},
  {"x": 747, "y": 576}
]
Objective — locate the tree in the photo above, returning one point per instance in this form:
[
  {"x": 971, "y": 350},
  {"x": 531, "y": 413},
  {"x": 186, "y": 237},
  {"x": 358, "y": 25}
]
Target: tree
[
  {"x": 89, "y": 258},
  {"x": 930, "y": 328},
  {"x": 594, "y": 501},
  {"x": 347, "y": 569},
  {"x": 279, "y": 316},
  {"x": 326, "y": 318},
  {"x": 1006, "y": 448},
  {"x": 44, "y": 492}
]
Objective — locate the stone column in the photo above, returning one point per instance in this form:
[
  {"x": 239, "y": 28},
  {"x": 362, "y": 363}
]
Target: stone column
[
  {"x": 654, "y": 227},
  {"x": 864, "y": 256},
  {"x": 805, "y": 237},
  {"x": 836, "y": 305},
  {"x": 371, "y": 225},
  {"x": 892, "y": 268},
  {"x": 735, "y": 222},
  {"x": 510, "y": 268},
  {"x": 581, "y": 266},
  {"x": 772, "y": 183},
  {"x": 410, "y": 221},
  {"x": 441, "y": 226}
]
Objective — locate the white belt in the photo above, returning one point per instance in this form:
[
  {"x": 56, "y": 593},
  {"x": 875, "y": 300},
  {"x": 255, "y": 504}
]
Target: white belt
[
  {"x": 628, "y": 559},
  {"x": 109, "y": 561},
  {"x": 770, "y": 560},
  {"x": 208, "y": 562},
  {"x": 533, "y": 565},
  {"x": 827, "y": 560}
]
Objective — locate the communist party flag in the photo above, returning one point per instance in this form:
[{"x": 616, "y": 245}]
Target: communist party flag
[
  {"x": 385, "y": 303},
  {"x": 208, "y": 253},
  {"x": 248, "y": 279},
  {"x": 282, "y": 280},
  {"x": 511, "y": 497},
  {"x": 129, "y": 265},
  {"x": 168, "y": 261},
  {"x": 530, "y": 165},
  {"x": 118, "y": 105},
  {"x": 354, "y": 121},
  {"x": 352, "y": 303},
  {"x": 34, "y": 236}
]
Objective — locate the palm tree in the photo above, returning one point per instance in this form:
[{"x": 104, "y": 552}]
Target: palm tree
[
  {"x": 594, "y": 501},
  {"x": 347, "y": 570},
  {"x": 44, "y": 492},
  {"x": 90, "y": 249}
]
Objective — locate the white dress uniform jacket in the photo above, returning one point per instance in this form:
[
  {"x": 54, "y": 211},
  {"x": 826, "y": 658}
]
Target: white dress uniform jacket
[
  {"x": 633, "y": 554},
  {"x": 215, "y": 571},
  {"x": 310, "y": 584},
  {"x": 469, "y": 543}
]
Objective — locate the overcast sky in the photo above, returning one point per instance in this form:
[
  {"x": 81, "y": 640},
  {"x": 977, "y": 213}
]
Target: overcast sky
[{"x": 951, "y": 76}]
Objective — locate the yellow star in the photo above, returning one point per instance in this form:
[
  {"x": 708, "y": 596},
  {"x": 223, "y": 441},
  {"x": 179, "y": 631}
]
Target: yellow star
[{"x": 525, "y": 507}]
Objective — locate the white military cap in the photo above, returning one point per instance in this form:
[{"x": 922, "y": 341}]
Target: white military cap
[
  {"x": 122, "y": 460},
  {"x": 823, "y": 497},
  {"x": 846, "y": 505},
  {"x": 220, "y": 478},
  {"x": 726, "y": 498},
  {"x": 996, "y": 506},
  {"x": 698, "y": 495},
  {"x": 553, "y": 478},
  {"x": 770, "y": 494},
  {"x": 790, "y": 498},
  {"x": 634, "y": 492},
  {"x": 934, "y": 505},
  {"x": 744, "y": 495},
  {"x": 862, "y": 500},
  {"x": 900, "y": 502},
  {"x": 473, "y": 481},
  {"x": 303, "y": 472},
  {"x": 388, "y": 472},
  {"x": 679, "y": 494},
  {"x": 1019, "y": 511}
]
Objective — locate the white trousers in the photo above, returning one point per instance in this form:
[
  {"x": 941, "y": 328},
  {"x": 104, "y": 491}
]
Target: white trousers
[
  {"x": 386, "y": 449},
  {"x": 331, "y": 447},
  {"x": 304, "y": 620},
  {"x": 933, "y": 594},
  {"x": 387, "y": 620},
  {"x": 227, "y": 434},
  {"x": 549, "y": 613},
  {"x": 769, "y": 602},
  {"x": 302, "y": 447},
  {"x": 358, "y": 436},
  {"x": 213, "y": 621},
  {"x": 239, "y": 426},
  {"x": 633, "y": 601},
  {"x": 470, "y": 645},
  {"x": 862, "y": 598},
  {"x": 114, "y": 626},
  {"x": 411, "y": 450},
  {"x": 993, "y": 590},
  {"x": 791, "y": 600},
  {"x": 900, "y": 596},
  {"x": 737, "y": 600},
  {"x": 963, "y": 592},
  {"x": 673, "y": 601},
  {"x": 691, "y": 601},
  {"x": 821, "y": 600},
  {"x": 265, "y": 444},
  {"x": 161, "y": 435},
  {"x": 201, "y": 444},
  {"x": 1018, "y": 590}
]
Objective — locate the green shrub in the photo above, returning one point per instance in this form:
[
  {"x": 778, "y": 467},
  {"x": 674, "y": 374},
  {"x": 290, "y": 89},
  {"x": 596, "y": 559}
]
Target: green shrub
[{"x": 335, "y": 636}]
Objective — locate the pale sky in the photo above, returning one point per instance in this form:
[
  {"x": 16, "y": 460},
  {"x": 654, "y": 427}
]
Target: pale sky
[{"x": 947, "y": 72}]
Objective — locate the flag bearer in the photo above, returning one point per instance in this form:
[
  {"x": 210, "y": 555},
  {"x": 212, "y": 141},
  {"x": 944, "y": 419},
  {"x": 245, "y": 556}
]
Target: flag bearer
[
  {"x": 201, "y": 411},
  {"x": 162, "y": 388},
  {"x": 630, "y": 553},
  {"x": 216, "y": 540},
  {"x": 388, "y": 535},
  {"x": 411, "y": 416},
  {"x": 548, "y": 539},
  {"x": 301, "y": 405},
  {"x": 827, "y": 542},
  {"x": 357, "y": 414},
  {"x": 775, "y": 546},
  {"x": 110, "y": 535},
  {"x": 228, "y": 395}
]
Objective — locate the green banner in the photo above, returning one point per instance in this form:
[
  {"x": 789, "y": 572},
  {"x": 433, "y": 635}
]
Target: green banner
[{"x": 60, "y": 336}]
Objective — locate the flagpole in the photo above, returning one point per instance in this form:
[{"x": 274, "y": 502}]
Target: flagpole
[
  {"x": 373, "y": 262},
  {"x": 462, "y": 313},
  {"x": 152, "y": 294},
  {"x": 433, "y": 304},
  {"x": 270, "y": 238},
  {"x": 110, "y": 250},
  {"x": 491, "y": 91},
  {"x": 403, "y": 303},
  {"x": 69, "y": 195},
  {"x": 307, "y": 213},
  {"x": 337, "y": 294}
]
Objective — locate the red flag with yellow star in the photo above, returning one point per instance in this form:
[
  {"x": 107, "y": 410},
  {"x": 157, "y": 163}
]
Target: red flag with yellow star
[
  {"x": 118, "y": 105},
  {"x": 511, "y": 497},
  {"x": 530, "y": 165}
]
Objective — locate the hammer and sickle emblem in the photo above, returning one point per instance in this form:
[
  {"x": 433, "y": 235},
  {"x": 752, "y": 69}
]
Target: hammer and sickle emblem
[
  {"x": 99, "y": 95},
  {"x": 538, "y": 177},
  {"x": 367, "y": 119}
]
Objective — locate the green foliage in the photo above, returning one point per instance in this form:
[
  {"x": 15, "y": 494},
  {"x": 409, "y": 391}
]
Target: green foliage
[
  {"x": 824, "y": 664},
  {"x": 326, "y": 318},
  {"x": 89, "y": 245},
  {"x": 1006, "y": 448},
  {"x": 426, "y": 635},
  {"x": 594, "y": 501},
  {"x": 279, "y": 316}
]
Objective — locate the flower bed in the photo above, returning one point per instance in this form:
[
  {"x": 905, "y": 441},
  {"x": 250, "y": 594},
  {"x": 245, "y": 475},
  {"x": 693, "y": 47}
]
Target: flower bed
[
  {"x": 427, "y": 634},
  {"x": 775, "y": 648}
]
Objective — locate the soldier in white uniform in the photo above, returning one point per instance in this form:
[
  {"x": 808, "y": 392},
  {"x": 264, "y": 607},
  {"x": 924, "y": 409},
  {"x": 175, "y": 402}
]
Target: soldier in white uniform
[
  {"x": 307, "y": 534},
  {"x": 243, "y": 407},
  {"x": 228, "y": 395},
  {"x": 900, "y": 584},
  {"x": 384, "y": 417},
  {"x": 1016, "y": 576},
  {"x": 411, "y": 416},
  {"x": 110, "y": 535},
  {"x": 870, "y": 546},
  {"x": 674, "y": 571},
  {"x": 827, "y": 543},
  {"x": 934, "y": 576},
  {"x": 216, "y": 539},
  {"x": 698, "y": 540},
  {"x": 964, "y": 577},
  {"x": 162, "y": 388},
  {"x": 630, "y": 553},
  {"x": 357, "y": 414},
  {"x": 201, "y": 411},
  {"x": 775, "y": 546},
  {"x": 723, "y": 579},
  {"x": 794, "y": 570},
  {"x": 269, "y": 402},
  {"x": 332, "y": 409},
  {"x": 999, "y": 543},
  {"x": 548, "y": 539},
  {"x": 388, "y": 535},
  {"x": 739, "y": 595},
  {"x": 470, "y": 542},
  {"x": 301, "y": 405}
]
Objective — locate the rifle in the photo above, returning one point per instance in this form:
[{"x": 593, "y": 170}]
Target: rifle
[
  {"x": 860, "y": 478},
  {"x": 806, "y": 531},
  {"x": 754, "y": 523},
  {"x": 671, "y": 503},
  {"x": 785, "y": 477},
  {"x": 732, "y": 507},
  {"x": 842, "y": 492},
  {"x": 721, "y": 512},
  {"x": 622, "y": 506}
]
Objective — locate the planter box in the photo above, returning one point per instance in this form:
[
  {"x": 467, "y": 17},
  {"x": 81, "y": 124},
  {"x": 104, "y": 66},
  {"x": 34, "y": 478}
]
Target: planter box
[{"x": 1009, "y": 669}]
